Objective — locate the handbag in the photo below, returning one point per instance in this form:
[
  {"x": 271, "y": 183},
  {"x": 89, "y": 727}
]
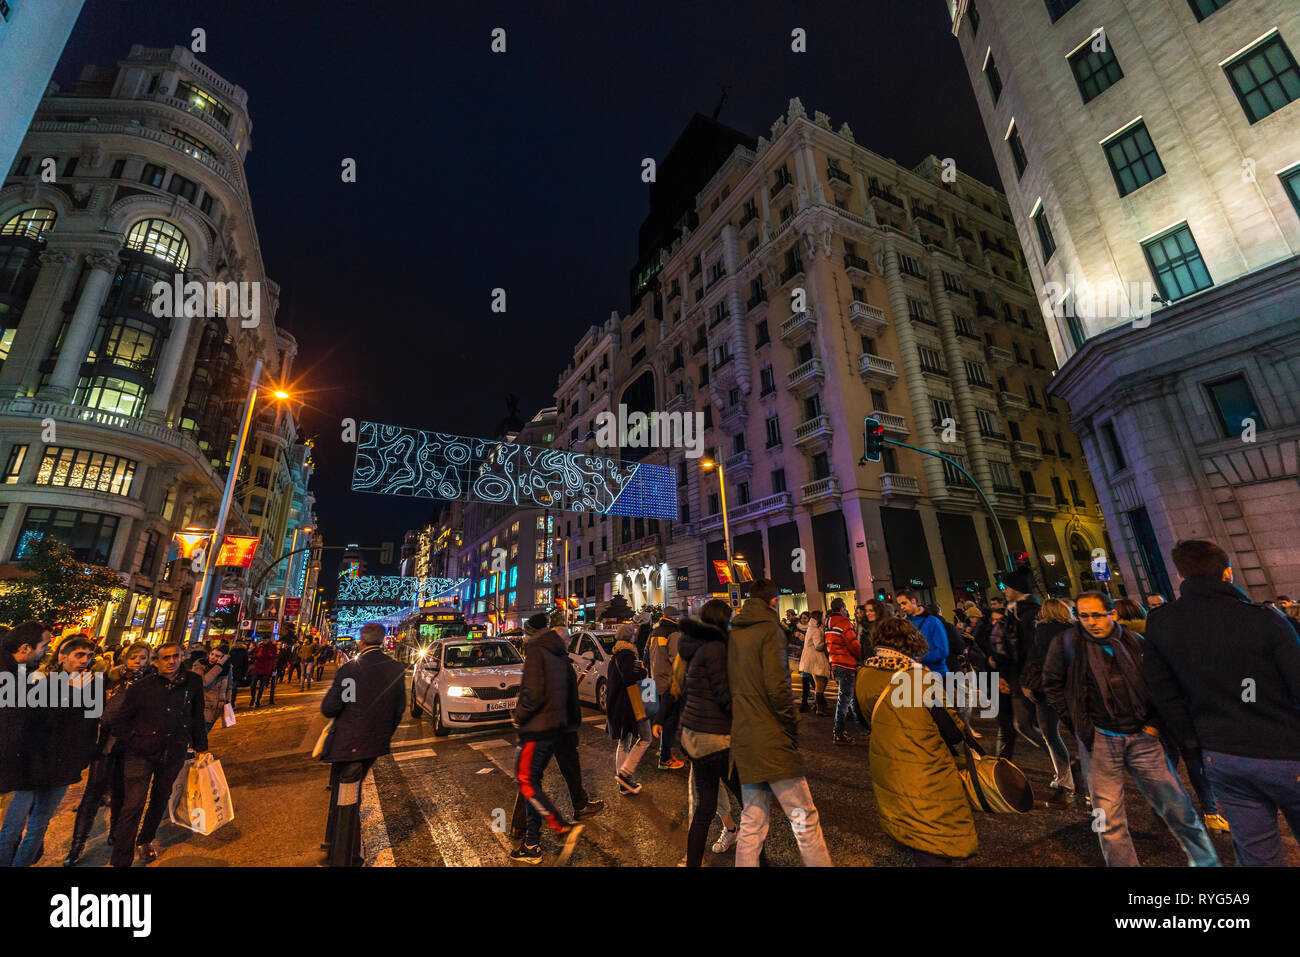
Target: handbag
[
  {"x": 325, "y": 733},
  {"x": 228, "y": 717},
  {"x": 992, "y": 784}
]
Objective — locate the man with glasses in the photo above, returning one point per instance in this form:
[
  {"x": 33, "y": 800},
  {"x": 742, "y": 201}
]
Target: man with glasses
[
  {"x": 159, "y": 722},
  {"x": 1093, "y": 678}
]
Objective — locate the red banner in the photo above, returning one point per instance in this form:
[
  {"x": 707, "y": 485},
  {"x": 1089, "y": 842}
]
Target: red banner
[
  {"x": 238, "y": 550},
  {"x": 723, "y": 572},
  {"x": 292, "y": 607}
]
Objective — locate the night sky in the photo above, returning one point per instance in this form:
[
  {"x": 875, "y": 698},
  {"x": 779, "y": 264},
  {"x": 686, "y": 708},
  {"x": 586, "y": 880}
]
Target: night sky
[{"x": 519, "y": 170}]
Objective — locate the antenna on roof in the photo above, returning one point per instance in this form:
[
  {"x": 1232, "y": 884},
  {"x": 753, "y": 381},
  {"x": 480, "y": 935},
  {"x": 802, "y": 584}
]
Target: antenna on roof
[{"x": 722, "y": 99}]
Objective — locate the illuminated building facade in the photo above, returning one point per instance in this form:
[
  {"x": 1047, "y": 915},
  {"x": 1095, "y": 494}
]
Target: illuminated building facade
[
  {"x": 1152, "y": 156},
  {"x": 147, "y": 183},
  {"x": 788, "y": 287}
]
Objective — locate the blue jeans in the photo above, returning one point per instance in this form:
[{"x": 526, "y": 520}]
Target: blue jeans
[
  {"x": 845, "y": 679},
  {"x": 29, "y": 810},
  {"x": 1143, "y": 756},
  {"x": 1250, "y": 792}
]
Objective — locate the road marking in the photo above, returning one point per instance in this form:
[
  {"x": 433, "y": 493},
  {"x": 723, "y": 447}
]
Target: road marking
[
  {"x": 412, "y": 755},
  {"x": 495, "y": 743},
  {"x": 379, "y": 851}
]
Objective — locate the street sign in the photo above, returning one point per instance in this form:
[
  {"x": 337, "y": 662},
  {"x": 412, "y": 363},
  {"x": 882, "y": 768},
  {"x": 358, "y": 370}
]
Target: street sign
[
  {"x": 1101, "y": 569},
  {"x": 733, "y": 595}
]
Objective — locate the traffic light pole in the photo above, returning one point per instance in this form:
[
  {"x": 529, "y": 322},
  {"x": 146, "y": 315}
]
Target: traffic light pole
[{"x": 997, "y": 525}]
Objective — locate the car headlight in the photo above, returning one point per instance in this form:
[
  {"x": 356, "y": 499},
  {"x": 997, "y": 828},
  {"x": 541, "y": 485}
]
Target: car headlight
[{"x": 460, "y": 691}]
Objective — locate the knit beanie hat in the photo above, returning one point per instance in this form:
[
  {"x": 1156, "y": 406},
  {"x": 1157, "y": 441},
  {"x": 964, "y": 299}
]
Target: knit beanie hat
[{"x": 536, "y": 624}]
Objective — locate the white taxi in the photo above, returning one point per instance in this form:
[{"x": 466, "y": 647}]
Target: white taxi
[
  {"x": 590, "y": 652},
  {"x": 464, "y": 682}
]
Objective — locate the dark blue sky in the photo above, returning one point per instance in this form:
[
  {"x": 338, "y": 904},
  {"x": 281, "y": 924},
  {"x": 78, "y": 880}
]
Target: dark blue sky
[{"x": 522, "y": 170}]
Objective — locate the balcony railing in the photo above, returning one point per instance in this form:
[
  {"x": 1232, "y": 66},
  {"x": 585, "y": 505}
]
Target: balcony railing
[
  {"x": 867, "y": 319},
  {"x": 1026, "y": 451},
  {"x": 877, "y": 193},
  {"x": 877, "y": 367},
  {"x": 794, "y": 269},
  {"x": 890, "y": 421},
  {"x": 896, "y": 484},
  {"x": 781, "y": 183},
  {"x": 679, "y": 402},
  {"x": 738, "y": 463},
  {"x": 759, "y": 506},
  {"x": 855, "y": 263},
  {"x": 1040, "y": 503},
  {"x": 798, "y": 327},
  {"x": 755, "y": 300},
  {"x": 1010, "y": 400},
  {"x": 819, "y": 489},
  {"x": 834, "y": 173},
  {"x": 811, "y": 372},
  {"x": 1000, "y": 357},
  {"x": 819, "y": 427},
  {"x": 750, "y": 216}
]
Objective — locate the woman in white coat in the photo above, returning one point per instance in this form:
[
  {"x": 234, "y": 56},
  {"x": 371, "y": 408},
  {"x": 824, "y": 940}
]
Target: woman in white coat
[{"x": 814, "y": 665}]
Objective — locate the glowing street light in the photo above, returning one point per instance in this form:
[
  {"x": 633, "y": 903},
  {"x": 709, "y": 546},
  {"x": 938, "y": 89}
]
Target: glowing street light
[{"x": 709, "y": 464}]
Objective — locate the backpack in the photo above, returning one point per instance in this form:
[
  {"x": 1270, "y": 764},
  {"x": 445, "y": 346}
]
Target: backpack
[{"x": 956, "y": 660}]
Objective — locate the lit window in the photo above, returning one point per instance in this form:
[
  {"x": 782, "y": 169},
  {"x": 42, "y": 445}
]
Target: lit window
[
  {"x": 1265, "y": 78},
  {"x": 1095, "y": 71},
  {"x": 1133, "y": 159},
  {"x": 1176, "y": 263},
  {"x": 82, "y": 468},
  {"x": 30, "y": 224},
  {"x": 161, "y": 239}
]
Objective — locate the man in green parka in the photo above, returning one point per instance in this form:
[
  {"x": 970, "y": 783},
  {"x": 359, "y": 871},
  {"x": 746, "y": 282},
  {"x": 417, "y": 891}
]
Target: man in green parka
[{"x": 764, "y": 732}]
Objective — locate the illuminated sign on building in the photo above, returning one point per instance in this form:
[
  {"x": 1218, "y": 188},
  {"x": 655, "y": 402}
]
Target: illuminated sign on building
[{"x": 392, "y": 460}]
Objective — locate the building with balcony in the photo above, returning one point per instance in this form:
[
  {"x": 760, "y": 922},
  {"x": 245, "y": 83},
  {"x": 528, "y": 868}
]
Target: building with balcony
[
  {"x": 117, "y": 424},
  {"x": 837, "y": 284},
  {"x": 1152, "y": 157}
]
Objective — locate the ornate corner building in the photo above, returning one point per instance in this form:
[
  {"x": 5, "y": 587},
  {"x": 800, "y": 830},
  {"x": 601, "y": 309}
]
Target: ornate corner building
[
  {"x": 117, "y": 425},
  {"x": 787, "y": 288},
  {"x": 1152, "y": 155}
]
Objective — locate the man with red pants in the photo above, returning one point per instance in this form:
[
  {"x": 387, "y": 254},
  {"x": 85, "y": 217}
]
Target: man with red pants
[{"x": 547, "y": 706}]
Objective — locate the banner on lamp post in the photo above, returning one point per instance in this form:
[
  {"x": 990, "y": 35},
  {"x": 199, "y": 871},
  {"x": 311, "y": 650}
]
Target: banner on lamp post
[
  {"x": 237, "y": 550},
  {"x": 291, "y": 607}
]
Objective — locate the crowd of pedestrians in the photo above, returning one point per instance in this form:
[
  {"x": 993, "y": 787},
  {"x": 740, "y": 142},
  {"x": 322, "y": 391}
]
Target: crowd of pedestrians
[{"x": 126, "y": 718}]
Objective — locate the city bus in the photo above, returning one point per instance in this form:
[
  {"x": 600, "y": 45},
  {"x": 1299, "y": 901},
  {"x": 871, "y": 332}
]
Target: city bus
[{"x": 426, "y": 627}]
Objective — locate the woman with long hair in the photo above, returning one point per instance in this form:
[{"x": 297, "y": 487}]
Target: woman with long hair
[
  {"x": 814, "y": 665},
  {"x": 706, "y": 727},
  {"x": 105, "y": 776},
  {"x": 874, "y": 612}
]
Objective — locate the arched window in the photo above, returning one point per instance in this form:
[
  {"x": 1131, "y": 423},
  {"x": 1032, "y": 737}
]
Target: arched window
[
  {"x": 1079, "y": 549},
  {"x": 160, "y": 239},
  {"x": 30, "y": 223}
]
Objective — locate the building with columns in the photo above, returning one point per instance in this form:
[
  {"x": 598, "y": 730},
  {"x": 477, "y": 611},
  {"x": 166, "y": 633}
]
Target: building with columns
[
  {"x": 1151, "y": 152},
  {"x": 788, "y": 287},
  {"x": 117, "y": 425}
]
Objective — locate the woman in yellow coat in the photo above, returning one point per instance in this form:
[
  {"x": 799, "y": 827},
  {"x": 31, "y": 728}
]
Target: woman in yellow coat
[{"x": 919, "y": 795}]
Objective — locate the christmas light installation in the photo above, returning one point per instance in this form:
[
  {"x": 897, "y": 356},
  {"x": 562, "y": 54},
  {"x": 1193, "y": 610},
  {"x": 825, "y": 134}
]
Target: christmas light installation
[{"x": 392, "y": 460}]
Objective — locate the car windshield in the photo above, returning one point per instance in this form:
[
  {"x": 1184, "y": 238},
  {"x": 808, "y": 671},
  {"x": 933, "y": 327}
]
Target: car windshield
[
  {"x": 606, "y": 640},
  {"x": 480, "y": 654}
]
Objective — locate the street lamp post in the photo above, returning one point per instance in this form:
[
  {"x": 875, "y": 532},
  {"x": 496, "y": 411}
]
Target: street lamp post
[
  {"x": 210, "y": 559},
  {"x": 288, "y": 573},
  {"x": 708, "y": 465}
]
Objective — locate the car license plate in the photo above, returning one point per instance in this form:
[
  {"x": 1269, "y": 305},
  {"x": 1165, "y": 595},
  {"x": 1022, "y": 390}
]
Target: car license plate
[{"x": 501, "y": 705}]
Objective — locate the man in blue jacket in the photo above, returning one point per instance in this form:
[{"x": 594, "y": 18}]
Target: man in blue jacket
[
  {"x": 1224, "y": 674},
  {"x": 936, "y": 659}
]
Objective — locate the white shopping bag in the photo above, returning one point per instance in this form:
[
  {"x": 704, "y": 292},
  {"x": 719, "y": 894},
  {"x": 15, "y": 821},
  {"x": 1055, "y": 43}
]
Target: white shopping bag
[
  {"x": 228, "y": 719},
  {"x": 200, "y": 800}
]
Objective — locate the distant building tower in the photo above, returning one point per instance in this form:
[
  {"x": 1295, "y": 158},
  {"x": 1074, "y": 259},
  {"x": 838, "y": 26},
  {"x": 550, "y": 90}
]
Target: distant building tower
[{"x": 1152, "y": 157}]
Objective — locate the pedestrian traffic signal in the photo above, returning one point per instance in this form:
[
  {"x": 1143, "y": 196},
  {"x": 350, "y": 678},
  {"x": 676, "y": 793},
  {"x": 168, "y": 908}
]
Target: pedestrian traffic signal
[{"x": 874, "y": 437}]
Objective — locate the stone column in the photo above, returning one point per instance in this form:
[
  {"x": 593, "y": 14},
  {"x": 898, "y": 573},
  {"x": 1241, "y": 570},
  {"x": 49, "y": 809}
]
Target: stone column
[
  {"x": 961, "y": 390},
  {"x": 811, "y": 583},
  {"x": 911, "y": 372},
  {"x": 81, "y": 330},
  {"x": 852, "y": 507},
  {"x": 39, "y": 323},
  {"x": 169, "y": 363}
]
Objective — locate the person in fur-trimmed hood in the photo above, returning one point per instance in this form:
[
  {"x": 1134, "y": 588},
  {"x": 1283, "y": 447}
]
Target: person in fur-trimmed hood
[{"x": 626, "y": 717}]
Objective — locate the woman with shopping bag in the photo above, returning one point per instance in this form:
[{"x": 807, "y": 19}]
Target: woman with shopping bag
[
  {"x": 627, "y": 712},
  {"x": 215, "y": 672}
]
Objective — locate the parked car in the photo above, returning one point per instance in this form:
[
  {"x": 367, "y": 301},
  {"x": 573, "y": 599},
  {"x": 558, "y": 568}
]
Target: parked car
[
  {"x": 463, "y": 682},
  {"x": 590, "y": 652}
]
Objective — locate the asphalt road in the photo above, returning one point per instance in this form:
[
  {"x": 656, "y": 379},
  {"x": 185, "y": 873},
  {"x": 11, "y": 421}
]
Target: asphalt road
[{"x": 445, "y": 801}]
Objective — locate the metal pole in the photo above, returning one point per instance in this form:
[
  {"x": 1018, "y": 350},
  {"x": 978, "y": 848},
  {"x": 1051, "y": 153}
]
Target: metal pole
[
  {"x": 997, "y": 525},
  {"x": 210, "y": 560},
  {"x": 284, "y": 592},
  {"x": 726, "y": 529}
]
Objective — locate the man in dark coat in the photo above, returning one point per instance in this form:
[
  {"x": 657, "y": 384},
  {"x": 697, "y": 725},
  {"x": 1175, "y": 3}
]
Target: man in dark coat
[
  {"x": 59, "y": 743},
  {"x": 1093, "y": 678},
  {"x": 159, "y": 720},
  {"x": 660, "y": 653},
  {"x": 764, "y": 732},
  {"x": 1225, "y": 675},
  {"x": 23, "y": 646},
  {"x": 366, "y": 701},
  {"x": 547, "y": 707},
  {"x": 1012, "y": 653},
  {"x": 238, "y": 666}
]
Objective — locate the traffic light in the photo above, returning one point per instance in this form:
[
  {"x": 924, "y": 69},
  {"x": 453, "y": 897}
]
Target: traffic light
[
  {"x": 884, "y": 595},
  {"x": 1002, "y": 586},
  {"x": 873, "y": 434}
]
